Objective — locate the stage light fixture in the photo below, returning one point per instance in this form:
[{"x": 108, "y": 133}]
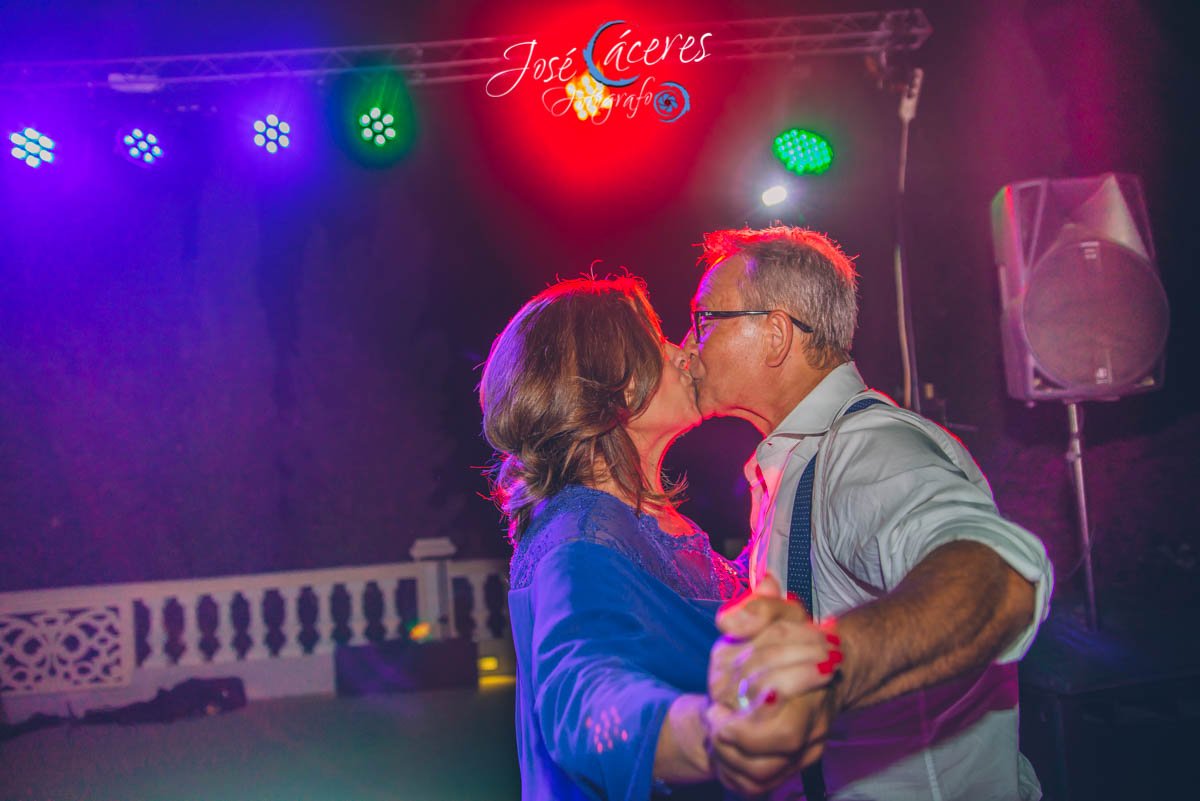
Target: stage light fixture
[
  {"x": 272, "y": 133},
  {"x": 32, "y": 147},
  {"x": 141, "y": 147},
  {"x": 378, "y": 126},
  {"x": 803, "y": 152},
  {"x": 374, "y": 120},
  {"x": 774, "y": 195},
  {"x": 588, "y": 96}
]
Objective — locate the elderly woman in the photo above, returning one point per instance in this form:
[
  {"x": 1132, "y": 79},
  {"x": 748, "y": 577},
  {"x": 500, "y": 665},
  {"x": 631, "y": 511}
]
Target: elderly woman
[{"x": 612, "y": 591}]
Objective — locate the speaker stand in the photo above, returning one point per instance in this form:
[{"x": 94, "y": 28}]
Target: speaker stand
[{"x": 1075, "y": 461}]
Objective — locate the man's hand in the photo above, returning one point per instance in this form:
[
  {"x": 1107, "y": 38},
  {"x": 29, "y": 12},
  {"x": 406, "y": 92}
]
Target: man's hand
[
  {"x": 756, "y": 750},
  {"x": 768, "y": 678},
  {"x": 771, "y": 649}
]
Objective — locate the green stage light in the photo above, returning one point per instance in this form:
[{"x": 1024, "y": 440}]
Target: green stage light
[
  {"x": 376, "y": 119},
  {"x": 803, "y": 152},
  {"x": 378, "y": 126}
]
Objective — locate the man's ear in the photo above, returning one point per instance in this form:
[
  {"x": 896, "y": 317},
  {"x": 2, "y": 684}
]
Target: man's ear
[{"x": 779, "y": 338}]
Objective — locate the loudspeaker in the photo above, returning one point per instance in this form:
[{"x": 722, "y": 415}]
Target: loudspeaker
[{"x": 1083, "y": 314}]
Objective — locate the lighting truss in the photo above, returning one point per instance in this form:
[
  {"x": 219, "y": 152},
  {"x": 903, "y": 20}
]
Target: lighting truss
[{"x": 457, "y": 61}]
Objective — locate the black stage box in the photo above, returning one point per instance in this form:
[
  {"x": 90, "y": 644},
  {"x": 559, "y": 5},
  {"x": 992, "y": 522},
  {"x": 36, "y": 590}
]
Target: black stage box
[
  {"x": 402, "y": 665},
  {"x": 1113, "y": 713}
]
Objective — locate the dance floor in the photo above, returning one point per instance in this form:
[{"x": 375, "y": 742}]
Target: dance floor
[
  {"x": 1106, "y": 714},
  {"x": 448, "y": 744}
]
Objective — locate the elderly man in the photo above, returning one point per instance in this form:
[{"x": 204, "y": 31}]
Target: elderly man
[{"x": 882, "y": 524}]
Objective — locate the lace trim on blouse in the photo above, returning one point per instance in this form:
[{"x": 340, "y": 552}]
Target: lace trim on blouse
[{"x": 687, "y": 564}]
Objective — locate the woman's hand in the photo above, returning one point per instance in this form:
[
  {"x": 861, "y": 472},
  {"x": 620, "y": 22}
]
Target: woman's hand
[
  {"x": 771, "y": 651},
  {"x": 769, "y": 679},
  {"x": 754, "y": 751}
]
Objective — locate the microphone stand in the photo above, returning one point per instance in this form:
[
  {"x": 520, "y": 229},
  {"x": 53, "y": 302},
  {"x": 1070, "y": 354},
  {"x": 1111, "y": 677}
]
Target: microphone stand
[{"x": 908, "y": 346}]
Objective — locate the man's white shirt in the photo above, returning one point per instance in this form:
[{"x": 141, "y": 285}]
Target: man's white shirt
[{"x": 890, "y": 487}]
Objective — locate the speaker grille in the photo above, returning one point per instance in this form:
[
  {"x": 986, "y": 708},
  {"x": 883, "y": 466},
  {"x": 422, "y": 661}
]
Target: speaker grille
[{"x": 1095, "y": 314}]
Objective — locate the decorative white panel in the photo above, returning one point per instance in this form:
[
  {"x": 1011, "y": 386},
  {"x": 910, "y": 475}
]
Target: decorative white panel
[
  {"x": 84, "y": 638},
  {"x": 52, "y": 650}
]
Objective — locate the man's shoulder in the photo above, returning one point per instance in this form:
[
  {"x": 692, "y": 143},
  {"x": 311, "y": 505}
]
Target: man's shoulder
[
  {"x": 874, "y": 414},
  {"x": 886, "y": 433}
]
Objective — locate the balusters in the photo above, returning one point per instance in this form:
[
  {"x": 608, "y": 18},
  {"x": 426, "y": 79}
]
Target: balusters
[
  {"x": 434, "y": 599},
  {"x": 177, "y": 643},
  {"x": 157, "y": 636},
  {"x": 224, "y": 631},
  {"x": 256, "y": 626},
  {"x": 389, "y": 618},
  {"x": 479, "y": 610},
  {"x": 290, "y": 627},
  {"x": 326, "y": 624},
  {"x": 356, "y": 614},
  {"x": 331, "y": 593},
  {"x": 191, "y": 635}
]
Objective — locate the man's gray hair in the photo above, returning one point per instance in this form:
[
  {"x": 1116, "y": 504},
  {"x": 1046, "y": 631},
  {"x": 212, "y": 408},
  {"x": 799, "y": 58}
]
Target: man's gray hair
[{"x": 798, "y": 271}]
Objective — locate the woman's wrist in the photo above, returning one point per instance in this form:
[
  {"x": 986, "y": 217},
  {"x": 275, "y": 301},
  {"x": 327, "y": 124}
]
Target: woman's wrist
[{"x": 682, "y": 753}]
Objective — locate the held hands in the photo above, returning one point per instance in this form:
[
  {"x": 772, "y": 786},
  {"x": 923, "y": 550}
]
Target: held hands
[
  {"x": 770, "y": 644},
  {"x": 769, "y": 678}
]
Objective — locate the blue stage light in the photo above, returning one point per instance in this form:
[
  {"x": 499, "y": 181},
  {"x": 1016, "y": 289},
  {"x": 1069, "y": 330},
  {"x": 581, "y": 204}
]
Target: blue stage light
[
  {"x": 272, "y": 133},
  {"x": 32, "y": 147},
  {"x": 141, "y": 147}
]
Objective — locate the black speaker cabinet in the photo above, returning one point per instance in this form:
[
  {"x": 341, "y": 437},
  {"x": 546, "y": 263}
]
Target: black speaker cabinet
[
  {"x": 404, "y": 666},
  {"x": 1083, "y": 313}
]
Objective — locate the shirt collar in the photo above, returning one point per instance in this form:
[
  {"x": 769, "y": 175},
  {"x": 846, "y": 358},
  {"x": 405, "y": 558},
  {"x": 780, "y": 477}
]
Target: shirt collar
[{"x": 815, "y": 413}]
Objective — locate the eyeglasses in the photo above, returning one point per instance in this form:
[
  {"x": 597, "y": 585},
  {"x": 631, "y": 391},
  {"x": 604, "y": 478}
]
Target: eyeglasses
[{"x": 702, "y": 316}]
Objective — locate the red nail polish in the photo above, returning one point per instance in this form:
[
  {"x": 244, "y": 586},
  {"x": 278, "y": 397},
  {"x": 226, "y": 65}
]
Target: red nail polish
[
  {"x": 835, "y": 657},
  {"x": 825, "y": 668},
  {"x": 771, "y": 697},
  {"x": 791, "y": 596},
  {"x": 833, "y": 639}
]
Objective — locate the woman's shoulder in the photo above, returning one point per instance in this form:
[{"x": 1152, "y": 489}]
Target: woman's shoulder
[
  {"x": 579, "y": 512},
  {"x": 576, "y": 514}
]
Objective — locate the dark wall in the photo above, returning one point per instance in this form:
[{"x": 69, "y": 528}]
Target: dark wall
[
  {"x": 221, "y": 376},
  {"x": 224, "y": 368}
]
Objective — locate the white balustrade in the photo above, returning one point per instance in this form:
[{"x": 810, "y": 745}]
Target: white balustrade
[
  {"x": 477, "y": 575},
  {"x": 156, "y": 634},
  {"x": 389, "y": 618},
  {"x": 479, "y": 610},
  {"x": 192, "y": 634},
  {"x": 225, "y": 631},
  {"x": 290, "y": 626},
  {"x": 57, "y": 624},
  {"x": 256, "y": 625},
  {"x": 356, "y": 614},
  {"x": 326, "y": 623}
]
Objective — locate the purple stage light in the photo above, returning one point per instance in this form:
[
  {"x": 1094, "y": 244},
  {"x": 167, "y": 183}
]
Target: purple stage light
[
  {"x": 141, "y": 147},
  {"x": 32, "y": 147},
  {"x": 272, "y": 133}
]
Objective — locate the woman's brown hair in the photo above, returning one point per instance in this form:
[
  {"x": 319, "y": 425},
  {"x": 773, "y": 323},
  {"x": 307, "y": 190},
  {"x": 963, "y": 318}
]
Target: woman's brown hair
[{"x": 571, "y": 368}]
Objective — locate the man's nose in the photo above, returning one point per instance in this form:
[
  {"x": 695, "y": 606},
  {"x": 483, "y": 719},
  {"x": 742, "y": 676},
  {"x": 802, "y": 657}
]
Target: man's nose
[{"x": 688, "y": 346}]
